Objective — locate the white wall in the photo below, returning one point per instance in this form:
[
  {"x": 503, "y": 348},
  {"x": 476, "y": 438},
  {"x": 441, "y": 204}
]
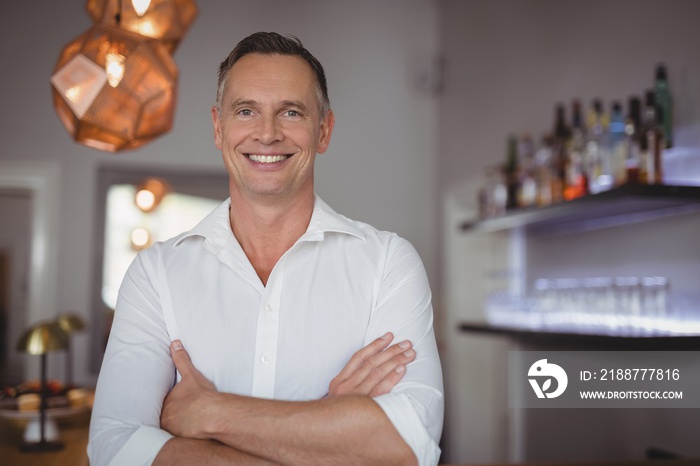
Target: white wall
[
  {"x": 507, "y": 65},
  {"x": 381, "y": 165}
]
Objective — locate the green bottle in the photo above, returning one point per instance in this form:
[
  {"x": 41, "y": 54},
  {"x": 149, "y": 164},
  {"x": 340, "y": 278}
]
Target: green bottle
[
  {"x": 664, "y": 104},
  {"x": 511, "y": 171}
]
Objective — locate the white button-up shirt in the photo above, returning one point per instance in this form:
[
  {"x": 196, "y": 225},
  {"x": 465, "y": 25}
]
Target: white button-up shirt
[{"x": 339, "y": 287}]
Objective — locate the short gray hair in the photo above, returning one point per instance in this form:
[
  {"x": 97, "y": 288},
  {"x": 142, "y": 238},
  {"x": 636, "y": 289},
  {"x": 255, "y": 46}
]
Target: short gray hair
[{"x": 271, "y": 43}]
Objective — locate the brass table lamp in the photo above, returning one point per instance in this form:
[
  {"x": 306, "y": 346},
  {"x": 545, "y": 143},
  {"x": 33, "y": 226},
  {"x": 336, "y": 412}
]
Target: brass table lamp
[
  {"x": 70, "y": 323},
  {"x": 39, "y": 340}
]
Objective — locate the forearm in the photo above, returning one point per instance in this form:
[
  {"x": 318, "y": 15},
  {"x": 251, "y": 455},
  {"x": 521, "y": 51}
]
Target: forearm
[
  {"x": 180, "y": 451},
  {"x": 333, "y": 431}
]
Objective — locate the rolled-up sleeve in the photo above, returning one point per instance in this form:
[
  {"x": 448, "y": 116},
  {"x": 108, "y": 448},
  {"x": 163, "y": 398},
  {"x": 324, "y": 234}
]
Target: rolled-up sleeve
[
  {"x": 136, "y": 375},
  {"x": 403, "y": 306}
]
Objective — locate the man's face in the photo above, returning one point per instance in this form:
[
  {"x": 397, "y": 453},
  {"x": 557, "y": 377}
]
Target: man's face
[{"x": 270, "y": 127}]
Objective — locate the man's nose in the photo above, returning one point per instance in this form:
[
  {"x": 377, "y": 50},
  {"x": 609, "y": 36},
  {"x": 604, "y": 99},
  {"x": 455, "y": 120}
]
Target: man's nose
[{"x": 268, "y": 130}]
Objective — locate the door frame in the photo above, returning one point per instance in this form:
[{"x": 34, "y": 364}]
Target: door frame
[{"x": 42, "y": 180}]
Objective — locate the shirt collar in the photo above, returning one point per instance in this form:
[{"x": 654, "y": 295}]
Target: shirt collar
[
  {"x": 325, "y": 219},
  {"x": 216, "y": 229}
]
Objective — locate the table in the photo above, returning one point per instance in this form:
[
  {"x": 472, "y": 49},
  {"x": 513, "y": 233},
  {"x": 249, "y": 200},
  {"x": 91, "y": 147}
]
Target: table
[{"x": 73, "y": 433}]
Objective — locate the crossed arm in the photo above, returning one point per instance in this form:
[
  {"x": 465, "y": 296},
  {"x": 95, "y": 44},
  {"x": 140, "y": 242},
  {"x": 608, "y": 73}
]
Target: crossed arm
[
  {"x": 345, "y": 427},
  {"x": 132, "y": 425}
]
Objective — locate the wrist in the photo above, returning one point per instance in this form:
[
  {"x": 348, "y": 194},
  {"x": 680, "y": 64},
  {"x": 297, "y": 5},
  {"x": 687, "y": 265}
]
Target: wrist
[{"x": 213, "y": 415}]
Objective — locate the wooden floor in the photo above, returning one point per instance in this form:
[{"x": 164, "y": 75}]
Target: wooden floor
[{"x": 74, "y": 435}]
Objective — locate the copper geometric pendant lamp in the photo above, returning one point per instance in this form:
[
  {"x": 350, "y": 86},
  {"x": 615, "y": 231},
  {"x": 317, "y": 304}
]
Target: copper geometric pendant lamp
[
  {"x": 165, "y": 20},
  {"x": 115, "y": 86},
  {"x": 115, "y": 90}
]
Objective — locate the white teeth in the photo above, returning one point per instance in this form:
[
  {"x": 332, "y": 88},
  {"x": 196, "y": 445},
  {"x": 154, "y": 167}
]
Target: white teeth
[{"x": 267, "y": 158}]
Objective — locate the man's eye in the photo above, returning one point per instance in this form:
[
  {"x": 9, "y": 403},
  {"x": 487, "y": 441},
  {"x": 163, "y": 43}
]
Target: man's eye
[
  {"x": 292, "y": 113},
  {"x": 245, "y": 112}
]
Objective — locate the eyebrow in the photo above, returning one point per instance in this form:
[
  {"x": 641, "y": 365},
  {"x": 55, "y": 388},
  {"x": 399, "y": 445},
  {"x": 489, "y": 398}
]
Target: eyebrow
[
  {"x": 243, "y": 103},
  {"x": 295, "y": 103}
]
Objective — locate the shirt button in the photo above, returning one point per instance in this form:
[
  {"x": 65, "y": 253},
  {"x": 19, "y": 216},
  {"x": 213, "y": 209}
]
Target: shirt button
[
  {"x": 268, "y": 307},
  {"x": 265, "y": 360}
]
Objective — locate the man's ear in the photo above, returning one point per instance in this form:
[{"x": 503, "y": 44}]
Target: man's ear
[
  {"x": 217, "y": 127},
  {"x": 324, "y": 137}
]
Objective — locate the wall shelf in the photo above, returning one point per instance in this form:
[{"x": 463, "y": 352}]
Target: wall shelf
[
  {"x": 626, "y": 204},
  {"x": 582, "y": 341}
]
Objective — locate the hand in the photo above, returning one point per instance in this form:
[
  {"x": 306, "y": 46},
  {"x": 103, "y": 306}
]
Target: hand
[
  {"x": 185, "y": 408},
  {"x": 373, "y": 370}
]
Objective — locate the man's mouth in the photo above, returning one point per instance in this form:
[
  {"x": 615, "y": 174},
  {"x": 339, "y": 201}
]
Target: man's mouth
[{"x": 268, "y": 158}]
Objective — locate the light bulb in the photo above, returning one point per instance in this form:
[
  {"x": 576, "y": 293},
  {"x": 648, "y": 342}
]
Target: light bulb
[
  {"x": 114, "y": 66},
  {"x": 74, "y": 93},
  {"x": 145, "y": 27},
  {"x": 140, "y": 6},
  {"x": 145, "y": 200},
  {"x": 140, "y": 239},
  {"x": 150, "y": 193}
]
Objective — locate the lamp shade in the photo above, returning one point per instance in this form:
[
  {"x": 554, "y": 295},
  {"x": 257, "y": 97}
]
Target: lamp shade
[
  {"x": 115, "y": 90},
  {"x": 165, "y": 20},
  {"x": 70, "y": 323},
  {"x": 43, "y": 338}
]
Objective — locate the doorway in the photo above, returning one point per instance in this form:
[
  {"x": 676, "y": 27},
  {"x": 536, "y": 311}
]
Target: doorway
[
  {"x": 35, "y": 186},
  {"x": 15, "y": 237}
]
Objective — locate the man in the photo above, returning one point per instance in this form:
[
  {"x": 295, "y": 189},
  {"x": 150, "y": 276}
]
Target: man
[{"x": 300, "y": 336}]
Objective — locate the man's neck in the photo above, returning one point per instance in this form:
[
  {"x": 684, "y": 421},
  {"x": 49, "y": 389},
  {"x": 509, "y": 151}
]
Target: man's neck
[{"x": 267, "y": 228}]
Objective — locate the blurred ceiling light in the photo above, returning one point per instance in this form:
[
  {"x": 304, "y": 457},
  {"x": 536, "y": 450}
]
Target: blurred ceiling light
[
  {"x": 165, "y": 20},
  {"x": 145, "y": 200},
  {"x": 114, "y": 66},
  {"x": 140, "y": 6},
  {"x": 150, "y": 193},
  {"x": 136, "y": 107},
  {"x": 140, "y": 239}
]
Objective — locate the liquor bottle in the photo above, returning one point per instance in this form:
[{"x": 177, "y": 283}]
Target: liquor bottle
[
  {"x": 633, "y": 128},
  {"x": 577, "y": 181},
  {"x": 543, "y": 172},
  {"x": 493, "y": 195},
  {"x": 664, "y": 104},
  {"x": 652, "y": 142},
  {"x": 527, "y": 185},
  {"x": 511, "y": 173},
  {"x": 597, "y": 149},
  {"x": 618, "y": 145},
  {"x": 562, "y": 134}
]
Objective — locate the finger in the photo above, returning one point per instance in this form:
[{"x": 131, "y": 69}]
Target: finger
[
  {"x": 373, "y": 364},
  {"x": 358, "y": 359},
  {"x": 373, "y": 371},
  {"x": 389, "y": 381},
  {"x": 180, "y": 357},
  {"x": 386, "y": 375}
]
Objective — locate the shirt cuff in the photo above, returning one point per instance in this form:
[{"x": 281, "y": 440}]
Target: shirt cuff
[
  {"x": 142, "y": 447},
  {"x": 400, "y": 411}
]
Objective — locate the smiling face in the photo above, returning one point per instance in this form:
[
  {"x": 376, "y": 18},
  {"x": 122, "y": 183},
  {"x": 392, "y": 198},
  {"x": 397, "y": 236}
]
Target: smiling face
[{"x": 270, "y": 129}]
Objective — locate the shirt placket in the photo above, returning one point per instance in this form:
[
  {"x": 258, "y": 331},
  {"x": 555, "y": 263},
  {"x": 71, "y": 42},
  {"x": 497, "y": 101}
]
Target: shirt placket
[{"x": 267, "y": 336}]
